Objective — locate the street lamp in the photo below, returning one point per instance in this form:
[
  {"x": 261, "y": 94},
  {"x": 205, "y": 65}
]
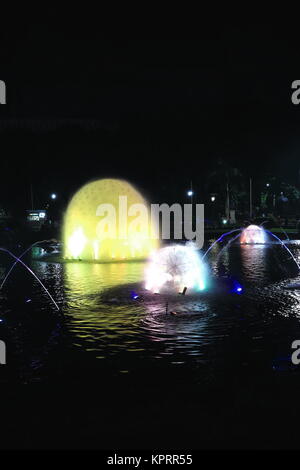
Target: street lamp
[
  {"x": 53, "y": 196},
  {"x": 213, "y": 198},
  {"x": 190, "y": 194}
]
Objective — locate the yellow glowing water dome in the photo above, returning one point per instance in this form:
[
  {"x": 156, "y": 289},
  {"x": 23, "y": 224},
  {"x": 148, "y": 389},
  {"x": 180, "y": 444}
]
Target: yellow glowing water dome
[{"x": 108, "y": 220}]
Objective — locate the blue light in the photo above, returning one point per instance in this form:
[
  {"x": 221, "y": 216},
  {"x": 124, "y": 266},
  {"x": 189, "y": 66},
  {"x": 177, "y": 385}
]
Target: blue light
[
  {"x": 236, "y": 287},
  {"x": 134, "y": 295}
]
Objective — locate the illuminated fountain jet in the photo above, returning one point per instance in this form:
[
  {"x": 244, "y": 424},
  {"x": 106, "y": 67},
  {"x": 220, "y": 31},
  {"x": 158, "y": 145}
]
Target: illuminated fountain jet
[
  {"x": 253, "y": 235},
  {"x": 175, "y": 268},
  {"x": 108, "y": 220}
]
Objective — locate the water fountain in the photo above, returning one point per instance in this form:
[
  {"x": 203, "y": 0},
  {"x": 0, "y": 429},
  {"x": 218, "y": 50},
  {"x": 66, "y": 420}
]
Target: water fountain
[
  {"x": 85, "y": 233},
  {"x": 175, "y": 268},
  {"x": 255, "y": 235},
  {"x": 252, "y": 235},
  {"x": 18, "y": 260},
  {"x": 116, "y": 237},
  {"x": 219, "y": 240}
]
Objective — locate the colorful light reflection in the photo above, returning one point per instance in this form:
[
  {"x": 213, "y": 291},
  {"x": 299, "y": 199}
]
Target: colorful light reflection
[
  {"x": 174, "y": 268},
  {"x": 253, "y": 235}
]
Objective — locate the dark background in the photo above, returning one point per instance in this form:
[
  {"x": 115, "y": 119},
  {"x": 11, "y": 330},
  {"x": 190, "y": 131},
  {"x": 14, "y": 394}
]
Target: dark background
[{"x": 159, "y": 113}]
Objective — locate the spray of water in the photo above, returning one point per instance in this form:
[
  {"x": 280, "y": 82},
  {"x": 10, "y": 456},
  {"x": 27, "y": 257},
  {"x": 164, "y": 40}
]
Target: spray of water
[
  {"x": 284, "y": 245},
  {"x": 227, "y": 246},
  {"x": 18, "y": 260},
  {"x": 281, "y": 228},
  {"x": 220, "y": 239},
  {"x": 286, "y": 235}
]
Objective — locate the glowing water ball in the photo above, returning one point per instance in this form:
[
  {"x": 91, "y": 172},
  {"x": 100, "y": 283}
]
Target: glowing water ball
[
  {"x": 253, "y": 234},
  {"x": 108, "y": 220},
  {"x": 174, "y": 268}
]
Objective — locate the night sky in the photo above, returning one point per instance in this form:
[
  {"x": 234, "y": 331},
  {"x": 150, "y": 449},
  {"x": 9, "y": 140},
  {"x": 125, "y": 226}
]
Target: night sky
[{"x": 159, "y": 113}]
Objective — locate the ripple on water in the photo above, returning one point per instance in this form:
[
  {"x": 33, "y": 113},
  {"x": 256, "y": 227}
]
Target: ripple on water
[{"x": 214, "y": 328}]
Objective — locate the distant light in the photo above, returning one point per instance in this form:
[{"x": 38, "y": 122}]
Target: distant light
[
  {"x": 225, "y": 221},
  {"x": 42, "y": 215},
  {"x": 53, "y": 196},
  {"x": 213, "y": 198},
  {"x": 190, "y": 193},
  {"x": 28, "y": 300},
  {"x": 268, "y": 185},
  {"x": 239, "y": 289}
]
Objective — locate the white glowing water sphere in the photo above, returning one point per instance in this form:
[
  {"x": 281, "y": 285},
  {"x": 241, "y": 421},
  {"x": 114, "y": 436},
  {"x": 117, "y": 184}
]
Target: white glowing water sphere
[
  {"x": 174, "y": 268},
  {"x": 253, "y": 234}
]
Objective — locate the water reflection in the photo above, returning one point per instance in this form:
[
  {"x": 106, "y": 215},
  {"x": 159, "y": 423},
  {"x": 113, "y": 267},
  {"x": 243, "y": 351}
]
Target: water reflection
[
  {"x": 212, "y": 329},
  {"x": 96, "y": 326},
  {"x": 203, "y": 324},
  {"x": 254, "y": 266}
]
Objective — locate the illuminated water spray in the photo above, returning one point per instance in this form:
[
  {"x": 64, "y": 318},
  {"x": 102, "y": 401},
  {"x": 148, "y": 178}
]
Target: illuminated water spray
[
  {"x": 18, "y": 260},
  {"x": 220, "y": 239},
  {"x": 87, "y": 236},
  {"x": 253, "y": 235},
  {"x": 174, "y": 268},
  {"x": 285, "y": 247}
]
